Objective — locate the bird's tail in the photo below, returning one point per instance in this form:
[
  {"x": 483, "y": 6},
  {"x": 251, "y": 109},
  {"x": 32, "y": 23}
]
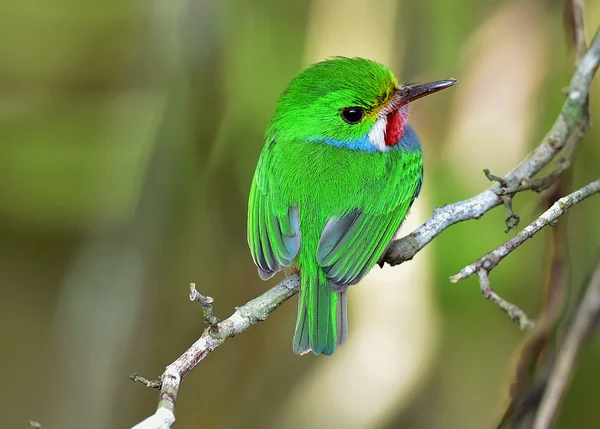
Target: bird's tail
[{"x": 322, "y": 322}]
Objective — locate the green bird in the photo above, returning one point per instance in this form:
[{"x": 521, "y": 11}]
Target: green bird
[{"x": 338, "y": 173}]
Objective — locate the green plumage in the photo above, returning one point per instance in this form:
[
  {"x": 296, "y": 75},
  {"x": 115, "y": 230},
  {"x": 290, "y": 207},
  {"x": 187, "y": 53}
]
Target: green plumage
[{"x": 321, "y": 200}]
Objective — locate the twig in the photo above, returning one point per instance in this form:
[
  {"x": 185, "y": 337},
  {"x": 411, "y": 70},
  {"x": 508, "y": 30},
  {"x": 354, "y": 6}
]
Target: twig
[
  {"x": 244, "y": 317},
  {"x": 152, "y": 384},
  {"x": 492, "y": 259},
  {"x": 539, "y": 184},
  {"x": 562, "y": 373},
  {"x": 206, "y": 302},
  {"x": 514, "y": 312},
  {"x": 512, "y": 219},
  {"x": 401, "y": 250}
]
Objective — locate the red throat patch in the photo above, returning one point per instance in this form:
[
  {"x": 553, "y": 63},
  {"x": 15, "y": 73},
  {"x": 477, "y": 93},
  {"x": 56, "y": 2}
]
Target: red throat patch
[{"x": 394, "y": 128}]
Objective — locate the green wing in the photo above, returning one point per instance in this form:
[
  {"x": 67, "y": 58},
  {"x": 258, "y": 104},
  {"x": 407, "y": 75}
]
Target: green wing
[
  {"x": 351, "y": 245},
  {"x": 273, "y": 228}
]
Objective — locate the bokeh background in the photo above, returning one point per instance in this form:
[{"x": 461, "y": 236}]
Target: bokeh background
[{"x": 129, "y": 133}]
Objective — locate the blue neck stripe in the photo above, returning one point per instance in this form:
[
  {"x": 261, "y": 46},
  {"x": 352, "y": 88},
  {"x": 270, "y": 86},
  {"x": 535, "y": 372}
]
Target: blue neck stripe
[{"x": 409, "y": 142}]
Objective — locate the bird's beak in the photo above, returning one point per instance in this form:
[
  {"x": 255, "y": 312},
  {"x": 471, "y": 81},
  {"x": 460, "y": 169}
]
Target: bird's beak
[{"x": 409, "y": 93}]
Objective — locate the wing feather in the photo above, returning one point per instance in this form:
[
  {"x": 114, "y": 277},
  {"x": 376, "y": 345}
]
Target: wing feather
[
  {"x": 351, "y": 244},
  {"x": 273, "y": 230}
]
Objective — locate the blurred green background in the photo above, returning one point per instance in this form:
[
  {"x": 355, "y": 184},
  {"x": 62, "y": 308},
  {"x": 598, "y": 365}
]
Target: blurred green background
[{"x": 129, "y": 132}]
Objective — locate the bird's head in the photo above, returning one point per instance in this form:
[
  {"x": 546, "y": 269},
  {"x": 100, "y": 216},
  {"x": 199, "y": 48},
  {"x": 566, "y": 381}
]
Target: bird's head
[{"x": 348, "y": 102}]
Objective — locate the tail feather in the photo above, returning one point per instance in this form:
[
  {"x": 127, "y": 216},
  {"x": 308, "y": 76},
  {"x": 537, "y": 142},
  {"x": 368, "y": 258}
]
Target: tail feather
[
  {"x": 322, "y": 322},
  {"x": 322, "y": 331},
  {"x": 301, "y": 344},
  {"x": 342, "y": 318}
]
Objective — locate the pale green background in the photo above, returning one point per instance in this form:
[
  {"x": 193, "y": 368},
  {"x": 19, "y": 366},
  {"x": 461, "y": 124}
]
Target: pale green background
[{"x": 129, "y": 131}]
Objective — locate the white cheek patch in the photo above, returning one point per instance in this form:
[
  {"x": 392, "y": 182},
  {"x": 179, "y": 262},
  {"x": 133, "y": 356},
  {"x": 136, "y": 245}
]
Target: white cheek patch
[{"x": 377, "y": 135}]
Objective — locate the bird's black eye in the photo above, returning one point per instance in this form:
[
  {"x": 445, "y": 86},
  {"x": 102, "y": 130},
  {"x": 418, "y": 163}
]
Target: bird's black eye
[{"x": 353, "y": 115}]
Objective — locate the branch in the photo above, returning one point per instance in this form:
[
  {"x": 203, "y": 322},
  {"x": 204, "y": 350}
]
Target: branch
[
  {"x": 573, "y": 14},
  {"x": 512, "y": 219},
  {"x": 571, "y": 123},
  {"x": 206, "y": 302},
  {"x": 244, "y": 317},
  {"x": 549, "y": 217},
  {"x": 538, "y": 355},
  {"x": 487, "y": 263},
  {"x": 526, "y": 389},
  {"x": 514, "y": 312},
  {"x": 562, "y": 373}
]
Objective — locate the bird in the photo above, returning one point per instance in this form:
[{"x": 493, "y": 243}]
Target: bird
[{"x": 338, "y": 173}]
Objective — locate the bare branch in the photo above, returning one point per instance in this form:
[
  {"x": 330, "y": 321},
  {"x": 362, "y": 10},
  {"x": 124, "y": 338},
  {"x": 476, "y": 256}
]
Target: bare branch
[
  {"x": 512, "y": 219},
  {"x": 163, "y": 418},
  {"x": 514, "y": 312},
  {"x": 206, "y": 302},
  {"x": 540, "y": 184},
  {"x": 527, "y": 386},
  {"x": 152, "y": 384},
  {"x": 574, "y": 25},
  {"x": 562, "y": 373},
  {"x": 549, "y": 217},
  {"x": 244, "y": 317}
]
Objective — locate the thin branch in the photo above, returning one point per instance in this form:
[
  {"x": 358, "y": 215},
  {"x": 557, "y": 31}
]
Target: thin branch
[
  {"x": 557, "y": 282},
  {"x": 540, "y": 184},
  {"x": 244, "y": 317},
  {"x": 531, "y": 369},
  {"x": 152, "y": 384},
  {"x": 562, "y": 373},
  {"x": 538, "y": 355},
  {"x": 574, "y": 25},
  {"x": 512, "y": 219},
  {"x": 549, "y": 217},
  {"x": 206, "y": 302},
  {"x": 514, "y": 312},
  {"x": 401, "y": 250}
]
